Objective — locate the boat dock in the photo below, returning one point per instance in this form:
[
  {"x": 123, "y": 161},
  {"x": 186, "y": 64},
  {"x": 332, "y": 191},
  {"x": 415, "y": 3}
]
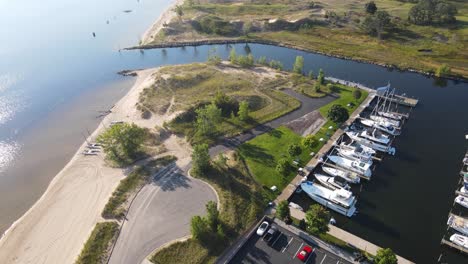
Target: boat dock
[
  {"x": 453, "y": 245},
  {"x": 402, "y": 100},
  {"x": 349, "y": 238}
]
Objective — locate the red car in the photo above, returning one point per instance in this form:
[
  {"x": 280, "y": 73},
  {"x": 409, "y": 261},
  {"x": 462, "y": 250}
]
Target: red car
[{"x": 304, "y": 253}]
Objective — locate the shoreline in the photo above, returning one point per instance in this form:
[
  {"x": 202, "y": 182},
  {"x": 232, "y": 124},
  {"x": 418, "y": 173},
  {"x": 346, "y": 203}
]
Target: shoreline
[
  {"x": 166, "y": 16},
  {"x": 222, "y": 41},
  {"x": 83, "y": 179}
]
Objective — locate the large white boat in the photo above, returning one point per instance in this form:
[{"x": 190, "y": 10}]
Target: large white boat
[
  {"x": 384, "y": 119},
  {"x": 460, "y": 240},
  {"x": 355, "y": 145},
  {"x": 333, "y": 183},
  {"x": 382, "y": 126},
  {"x": 357, "y": 153},
  {"x": 458, "y": 223},
  {"x": 392, "y": 115},
  {"x": 374, "y": 145},
  {"x": 340, "y": 200},
  {"x": 462, "y": 200},
  {"x": 352, "y": 165},
  {"x": 375, "y": 135},
  {"x": 349, "y": 176}
]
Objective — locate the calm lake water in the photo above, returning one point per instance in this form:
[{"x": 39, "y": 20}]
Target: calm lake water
[{"x": 55, "y": 77}]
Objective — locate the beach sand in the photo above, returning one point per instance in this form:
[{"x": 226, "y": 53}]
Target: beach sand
[
  {"x": 56, "y": 227},
  {"x": 165, "y": 17}
]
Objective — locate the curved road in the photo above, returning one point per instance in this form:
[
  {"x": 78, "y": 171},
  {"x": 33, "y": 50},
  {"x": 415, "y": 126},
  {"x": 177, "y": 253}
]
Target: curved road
[{"x": 160, "y": 213}]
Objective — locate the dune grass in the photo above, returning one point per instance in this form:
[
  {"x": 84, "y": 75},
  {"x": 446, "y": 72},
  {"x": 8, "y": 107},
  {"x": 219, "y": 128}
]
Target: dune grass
[{"x": 95, "y": 251}]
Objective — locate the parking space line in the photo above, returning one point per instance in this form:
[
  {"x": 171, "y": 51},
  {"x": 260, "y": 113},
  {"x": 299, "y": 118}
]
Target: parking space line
[
  {"x": 324, "y": 257},
  {"x": 274, "y": 242},
  {"x": 298, "y": 250},
  {"x": 284, "y": 249}
]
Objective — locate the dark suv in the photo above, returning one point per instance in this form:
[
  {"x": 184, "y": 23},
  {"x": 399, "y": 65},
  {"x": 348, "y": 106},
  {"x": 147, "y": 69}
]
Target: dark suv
[{"x": 271, "y": 235}]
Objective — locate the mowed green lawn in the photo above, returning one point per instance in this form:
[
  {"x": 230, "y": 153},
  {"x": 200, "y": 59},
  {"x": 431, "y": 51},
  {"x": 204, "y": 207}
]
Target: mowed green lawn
[{"x": 263, "y": 153}]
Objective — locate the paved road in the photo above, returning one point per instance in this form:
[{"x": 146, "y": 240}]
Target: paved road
[
  {"x": 307, "y": 105},
  {"x": 160, "y": 213}
]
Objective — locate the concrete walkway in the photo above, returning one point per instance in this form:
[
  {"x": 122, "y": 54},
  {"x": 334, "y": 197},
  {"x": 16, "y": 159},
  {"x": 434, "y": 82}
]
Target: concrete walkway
[{"x": 350, "y": 238}]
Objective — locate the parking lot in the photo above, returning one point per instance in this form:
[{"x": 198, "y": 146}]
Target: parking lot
[{"x": 283, "y": 249}]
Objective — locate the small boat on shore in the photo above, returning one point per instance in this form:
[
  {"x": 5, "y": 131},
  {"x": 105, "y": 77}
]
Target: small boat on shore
[
  {"x": 333, "y": 183},
  {"x": 374, "y": 145},
  {"x": 461, "y": 200},
  {"x": 460, "y": 240},
  {"x": 352, "y": 165},
  {"x": 340, "y": 201},
  {"x": 350, "y": 177},
  {"x": 458, "y": 223}
]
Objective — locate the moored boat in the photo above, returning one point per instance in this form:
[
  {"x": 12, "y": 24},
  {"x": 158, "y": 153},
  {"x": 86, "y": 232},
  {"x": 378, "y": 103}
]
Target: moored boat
[
  {"x": 382, "y": 126},
  {"x": 350, "y": 177},
  {"x": 460, "y": 240},
  {"x": 352, "y": 165},
  {"x": 341, "y": 200},
  {"x": 458, "y": 223},
  {"x": 333, "y": 183},
  {"x": 355, "y": 153},
  {"x": 374, "y": 145},
  {"x": 375, "y": 135},
  {"x": 461, "y": 200},
  {"x": 384, "y": 119}
]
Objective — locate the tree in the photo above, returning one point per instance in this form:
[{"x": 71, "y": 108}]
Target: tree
[
  {"x": 212, "y": 217},
  {"x": 207, "y": 119},
  {"x": 282, "y": 210},
  {"x": 309, "y": 141},
  {"x": 321, "y": 77},
  {"x": 385, "y": 256},
  {"x": 298, "y": 65},
  {"x": 282, "y": 166},
  {"x": 357, "y": 94},
  {"x": 294, "y": 150},
  {"x": 225, "y": 103},
  {"x": 317, "y": 87},
  {"x": 247, "y": 28},
  {"x": 232, "y": 55},
  {"x": 316, "y": 219},
  {"x": 179, "y": 11},
  {"x": 311, "y": 75},
  {"x": 243, "y": 110},
  {"x": 377, "y": 24},
  {"x": 198, "y": 228},
  {"x": 443, "y": 70},
  {"x": 122, "y": 142},
  {"x": 427, "y": 12},
  {"x": 200, "y": 158},
  {"x": 370, "y": 7},
  {"x": 338, "y": 113}
]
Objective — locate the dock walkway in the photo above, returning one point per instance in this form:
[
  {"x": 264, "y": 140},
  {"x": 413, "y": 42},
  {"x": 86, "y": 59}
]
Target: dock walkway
[{"x": 349, "y": 238}]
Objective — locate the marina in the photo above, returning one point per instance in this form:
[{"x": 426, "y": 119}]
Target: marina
[{"x": 456, "y": 236}]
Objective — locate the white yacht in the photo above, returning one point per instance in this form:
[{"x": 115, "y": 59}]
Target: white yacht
[
  {"x": 462, "y": 200},
  {"x": 382, "y": 126},
  {"x": 341, "y": 200},
  {"x": 354, "y": 145},
  {"x": 375, "y": 135},
  {"x": 355, "y": 153},
  {"x": 384, "y": 119},
  {"x": 463, "y": 190},
  {"x": 376, "y": 146},
  {"x": 392, "y": 115},
  {"x": 332, "y": 182},
  {"x": 352, "y": 165},
  {"x": 349, "y": 176},
  {"x": 460, "y": 240},
  {"x": 458, "y": 223}
]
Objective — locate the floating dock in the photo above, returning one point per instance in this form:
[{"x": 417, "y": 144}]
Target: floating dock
[
  {"x": 402, "y": 100},
  {"x": 453, "y": 245}
]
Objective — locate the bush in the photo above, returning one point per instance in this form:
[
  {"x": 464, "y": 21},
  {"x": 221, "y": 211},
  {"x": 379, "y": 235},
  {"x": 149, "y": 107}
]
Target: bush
[
  {"x": 282, "y": 167},
  {"x": 443, "y": 70},
  {"x": 357, "y": 94},
  {"x": 294, "y": 150},
  {"x": 427, "y": 12},
  {"x": 316, "y": 219},
  {"x": 370, "y": 7},
  {"x": 96, "y": 248},
  {"x": 385, "y": 256},
  {"x": 214, "y": 25},
  {"x": 282, "y": 210},
  {"x": 309, "y": 141}
]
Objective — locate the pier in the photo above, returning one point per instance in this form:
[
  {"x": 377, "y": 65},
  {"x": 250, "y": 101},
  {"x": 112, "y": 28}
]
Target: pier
[
  {"x": 453, "y": 245},
  {"x": 349, "y": 238}
]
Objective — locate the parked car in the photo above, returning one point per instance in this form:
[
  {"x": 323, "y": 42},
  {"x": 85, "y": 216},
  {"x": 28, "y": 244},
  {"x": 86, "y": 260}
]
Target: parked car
[
  {"x": 304, "y": 253},
  {"x": 262, "y": 228},
  {"x": 271, "y": 235}
]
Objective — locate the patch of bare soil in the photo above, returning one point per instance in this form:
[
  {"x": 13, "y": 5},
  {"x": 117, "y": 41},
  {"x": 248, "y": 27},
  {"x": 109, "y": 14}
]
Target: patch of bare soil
[{"x": 306, "y": 124}]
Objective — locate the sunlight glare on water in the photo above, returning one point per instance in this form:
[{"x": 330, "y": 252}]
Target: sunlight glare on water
[
  {"x": 8, "y": 151},
  {"x": 8, "y": 98}
]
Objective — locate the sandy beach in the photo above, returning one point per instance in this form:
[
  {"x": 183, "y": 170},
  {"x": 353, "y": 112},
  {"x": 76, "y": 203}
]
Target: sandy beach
[
  {"x": 165, "y": 17},
  {"x": 56, "y": 227}
]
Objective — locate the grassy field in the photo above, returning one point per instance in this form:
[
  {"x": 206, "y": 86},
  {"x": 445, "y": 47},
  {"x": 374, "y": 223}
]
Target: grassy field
[
  {"x": 187, "y": 87},
  {"x": 263, "y": 153},
  {"x": 96, "y": 248},
  {"x": 280, "y": 20},
  {"x": 239, "y": 194},
  {"x": 116, "y": 206}
]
